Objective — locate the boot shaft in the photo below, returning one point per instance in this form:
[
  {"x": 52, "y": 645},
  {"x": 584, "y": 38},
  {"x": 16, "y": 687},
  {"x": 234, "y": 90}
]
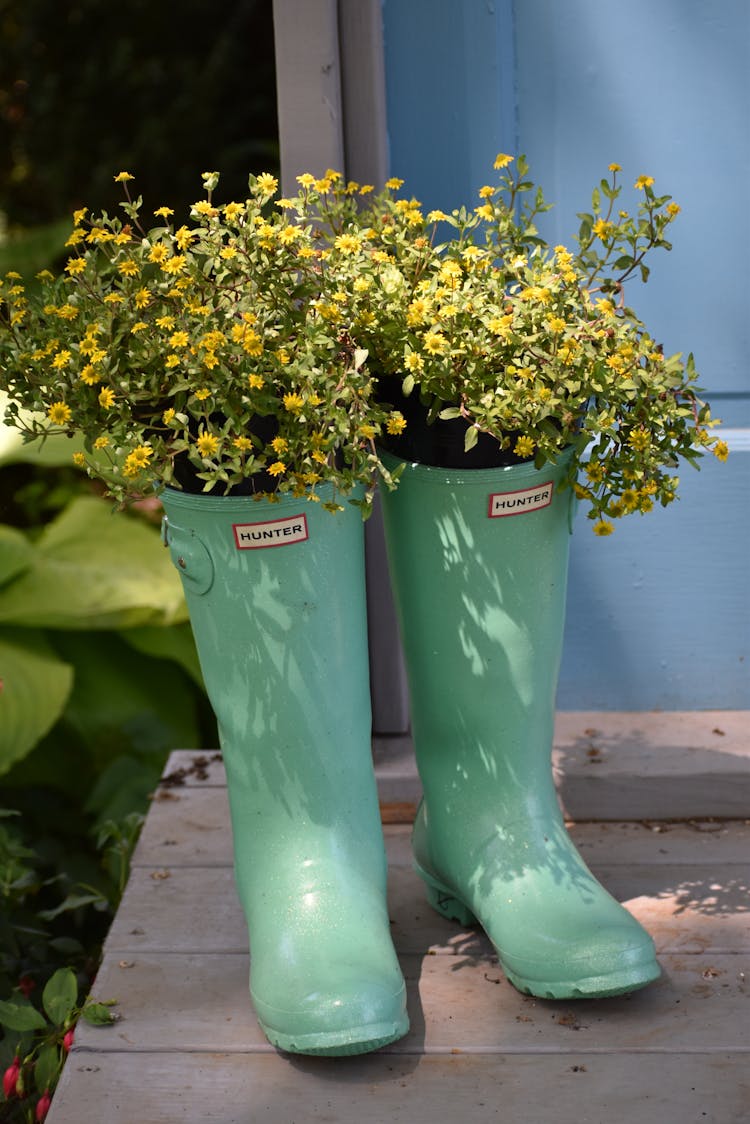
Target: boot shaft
[{"x": 479, "y": 560}]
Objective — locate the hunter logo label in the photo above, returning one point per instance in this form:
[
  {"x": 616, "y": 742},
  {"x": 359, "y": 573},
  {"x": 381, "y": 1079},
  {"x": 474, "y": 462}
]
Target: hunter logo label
[
  {"x": 518, "y": 503},
  {"x": 272, "y": 532}
]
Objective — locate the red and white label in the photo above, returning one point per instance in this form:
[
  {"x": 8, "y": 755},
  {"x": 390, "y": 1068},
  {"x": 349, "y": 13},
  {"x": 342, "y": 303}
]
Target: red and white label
[
  {"x": 520, "y": 502},
  {"x": 272, "y": 532}
]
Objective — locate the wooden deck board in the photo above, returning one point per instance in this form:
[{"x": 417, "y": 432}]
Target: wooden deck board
[
  {"x": 188, "y": 1048},
  {"x": 580, "y": 1088}
]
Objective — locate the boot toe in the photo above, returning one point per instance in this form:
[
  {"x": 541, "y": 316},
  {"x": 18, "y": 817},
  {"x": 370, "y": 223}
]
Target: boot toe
[{"x": 353, "y": 1012}]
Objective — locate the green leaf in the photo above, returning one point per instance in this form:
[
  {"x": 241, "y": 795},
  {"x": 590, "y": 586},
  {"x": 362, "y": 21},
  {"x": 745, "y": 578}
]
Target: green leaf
[
  {"x": 450, "y": 412},
  {"x": 73, "y": 901},
  {"x": 16, "y": 553},
  {"x": 21, "y": 1016},
  {"x": 60, "y": 995},
  {"x": 173, "y": 643},
  {"x": 97, "y": 1014},
  {"x": 407, "y": 385},
  {"x": 470, "y": 438},
  {"x": 95, "y": 569},
  {"x": 47, "y": 1068},
  {"x": 35, "y": 688}
]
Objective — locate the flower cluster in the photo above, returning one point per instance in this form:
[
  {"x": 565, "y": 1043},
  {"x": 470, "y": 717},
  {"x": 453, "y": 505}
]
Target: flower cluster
[
  {"x": 248, "y": 344},
  {"x": 216, "y": 351},
  {"x": 534, "y": 344}
]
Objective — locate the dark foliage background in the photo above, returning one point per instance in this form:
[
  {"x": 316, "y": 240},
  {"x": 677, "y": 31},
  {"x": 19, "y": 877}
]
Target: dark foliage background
[{"x": 165, "y": 91}]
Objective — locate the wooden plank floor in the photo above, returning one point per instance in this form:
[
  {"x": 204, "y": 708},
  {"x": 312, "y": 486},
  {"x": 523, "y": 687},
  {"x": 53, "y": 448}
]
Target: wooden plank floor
[{"x": 187, "y": 1046}]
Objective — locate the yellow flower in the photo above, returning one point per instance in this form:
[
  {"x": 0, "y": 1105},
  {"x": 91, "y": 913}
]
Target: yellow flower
[
  {"x": 437, "y": 216},
  {"x": 114, "y": 298},
  {"x": 485, "y": 211},
  {"x": 267, "y": 183},
  {"x": 123, "y": 177},
  {"x": 435, "y": 343},
  {"x": 347, "y": 243},
  {"x": 293, "y": 403},
  {"x": 172, "y": 361},
  {"x": 106, "y": 398},
  {"x": 673, "y": 209},
  {"x": 279, "y": 445},
  {"x": 639, "y": 439},
  {"x": 413, "y": 361},
  {"x": 367, "y": 431},
  {"x": 210, "y": 361},
  {"x": 277, "y": 467},
  {"x": 202, "y": 394},
  {"x": 244, "y": 444},
  {"x": 203, "y": 207},
  {"x": 79, "y": 459},
  {"x": 163, "y": 212},
  {"x": 61, "y": 360},
  {"x": 643, "y": 181},
  {"x": 166, "y": 322},
  {"x": 183, "y": 237},
  {"x": 59, "y": 413},
  {"x": 174, "y": 265},
  {"x": 603, "y": 527},
  {"x": 396, "y": 423},
  {"x": 602, "y": 229},
  {"x": 394, "y": 183},
  {"x": 158, "y": 253},
  {"x": 139, "y": 326},
  {"x": 178, "y": 339},
  {"x": 101, "y": 442},
  {"x": 168, "y": 416},
  {"x": 615, "y": 168},
  {"x": 80, "y": 215},
  {"x": 207, "y": 444},
  {"x": 524, "y": 447},
  {"x": 90, "y": 375},
  {"x": 75, "y": 265},
  {"x": 137, "y": 460},
  {"x": 255, "y": 381},
  {"x": 502, "y": 160},
  {"x": 128, "y": 268},
  {"x": 721, "y": 450},
  {"x": 141, "y": 298}
]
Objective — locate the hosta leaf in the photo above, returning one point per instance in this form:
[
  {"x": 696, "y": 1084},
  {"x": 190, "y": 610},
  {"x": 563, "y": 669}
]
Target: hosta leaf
[
  {"x": 16, "y": 553},
  {"x": 95, "y": 569},
  {"x": 36, "y": 684}
]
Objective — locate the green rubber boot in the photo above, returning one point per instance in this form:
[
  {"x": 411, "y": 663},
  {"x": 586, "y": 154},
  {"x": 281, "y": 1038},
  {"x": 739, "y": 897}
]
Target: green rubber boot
[
  {"x": 478, "y": 560},
  {"x": 277, "y": 604}
]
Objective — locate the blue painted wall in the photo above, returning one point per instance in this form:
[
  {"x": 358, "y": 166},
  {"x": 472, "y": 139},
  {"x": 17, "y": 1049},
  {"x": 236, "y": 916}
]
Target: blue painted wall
[{"x": 659, "y": 614}]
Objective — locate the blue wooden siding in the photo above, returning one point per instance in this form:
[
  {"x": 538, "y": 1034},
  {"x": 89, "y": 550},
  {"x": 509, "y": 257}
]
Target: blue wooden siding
[{"x": 659, "y": 614}]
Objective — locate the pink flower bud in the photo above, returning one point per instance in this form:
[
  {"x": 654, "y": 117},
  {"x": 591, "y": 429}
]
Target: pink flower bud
[
  {"x": 10, "y": 1078},
  {"x": 42, "y": 1107},
  {"x": 67, "y": 1041}
]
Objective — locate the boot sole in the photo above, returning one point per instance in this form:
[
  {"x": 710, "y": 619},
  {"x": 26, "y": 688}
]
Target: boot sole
[
  {"x": 345, "y": 1043},
  {"x": 632, "y": 978}
]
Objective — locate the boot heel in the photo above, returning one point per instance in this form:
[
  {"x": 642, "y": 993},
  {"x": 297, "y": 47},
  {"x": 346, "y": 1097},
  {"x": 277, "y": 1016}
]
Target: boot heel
[{"x": 446, "y": 904}]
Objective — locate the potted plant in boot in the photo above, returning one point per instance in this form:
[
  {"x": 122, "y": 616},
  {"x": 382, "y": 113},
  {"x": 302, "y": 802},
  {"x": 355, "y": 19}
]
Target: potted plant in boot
[
  {"x": 529, "y": 386},
  {"x": 212, "y": 361}
]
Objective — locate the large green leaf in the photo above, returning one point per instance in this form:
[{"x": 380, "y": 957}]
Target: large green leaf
[
  {"x": 16, "y": 553},
  {"x": 173, "y": 643},
  {"x": 94, "y": 568},
  {"x": 36, "y": 684}
]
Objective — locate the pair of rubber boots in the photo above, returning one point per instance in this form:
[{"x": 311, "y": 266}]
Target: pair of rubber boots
[{"x": 276, "y": 596}]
